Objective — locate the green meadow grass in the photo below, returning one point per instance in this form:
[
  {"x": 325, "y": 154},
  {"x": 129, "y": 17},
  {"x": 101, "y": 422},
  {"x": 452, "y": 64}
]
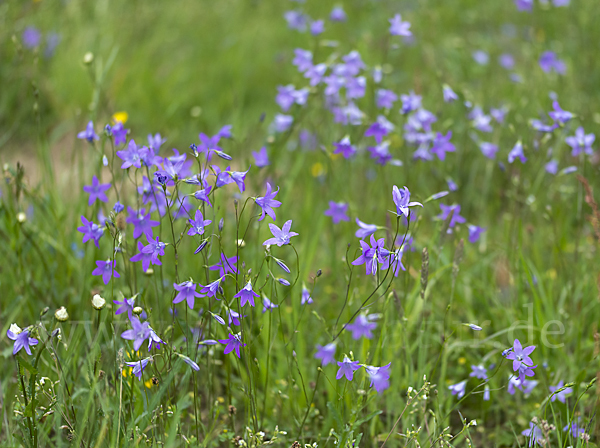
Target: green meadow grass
[{"x": 184, "y": 67}]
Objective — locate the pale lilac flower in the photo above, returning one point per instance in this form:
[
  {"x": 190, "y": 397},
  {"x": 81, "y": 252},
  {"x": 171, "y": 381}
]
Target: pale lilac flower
[
  {"x": 549, "y": 62},
  {"x": 90, "y": 231},
  {"x": 385, "y": 98},
  {"x": 337, "y": 211},
  {"x": 32, "y": 37},
  {"x": 372, "y": 255},
  {"x": 302, "y": 59},
  {"x": 197, "y": 224},
  {"x": 212, "y": 289},
  {"x": 106, "y": 269},
  {"x": 131, "y": 156},
  {"x": 398, "y": 27},
  {"x": 281, "y": 236},
  {"x": 574, "y": 429},
  {"x": 558, "y": 114},
  {"x": 379, "y": 376},
  {"x": 155, "y": 142},
  {"x": 317, "y": 27},
  {"x": 552, "y": 166},
  {"x": 89, "y": 133},
  {"x": 234, "y": 342},
  {"x": 402, "y": 200},
  {"x": 344, "y": 147},
  {"x": 202, "y": 195},
  {"x": 458, "y": 389},
  {"x": 379, "y": 129},
  {"x": 96, "y": 191},
  {"x": 337, "y": 14},
  {"x": 296, "y": 20},
  {"x": 126, "y": 305},
  {"x": 517, "y": 151},
  {"x": 186, "y": 291},
  {"x": 410, "y": 102},
  {"x": 481, "y": 57},
  {"x": 282, "y": 122},
  {"x": 189, "y": 362},
  {"x": 139, "y": 366},
  {"x": 22, "y": 340},
  {"x": 138, "y": 334},
  {"x": 475, "y": 233},
  {"x": 347, "y": 369},
  {"x": 364, "y": 229},
  {"x": 507, "y": 61},
  {"x": 456, "y": 218},
  {"x": 478, "y": 371},
  {"x": 154, "y": 340},
  {"x": 261, "y": 158},
  {"x": 524, "y": 5},
  {"x": 315, "y": 73},
  {"x": 361, "y": 327},
  {"x": 246, "y": 295},
  {"x": 268, "y": 305},
  {"x": 534, "y": 433},
  {"x": 580, "y": 142},
  {"x": 520, "y": 355},
  {"x": 449, "y": 95},
  {"x": 326, "y": 353},
  {"x": 306, "y": 298},
  {"x": 267, "y": 203},
  {"x": 441, "y": 145},
  {"x": 488, "y": 149}
]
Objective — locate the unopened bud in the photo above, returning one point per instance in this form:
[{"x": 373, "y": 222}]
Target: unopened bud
[
  {"x": 98, "y": 302},
  {"x": 88, "y": 58},
  {"x": 138, "y": 310},
  {"x": 61, "y": 314},
  {"x": 21, "y": 217}
]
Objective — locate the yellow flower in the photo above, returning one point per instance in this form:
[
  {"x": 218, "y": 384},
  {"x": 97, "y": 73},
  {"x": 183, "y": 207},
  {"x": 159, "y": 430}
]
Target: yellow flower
[
  {"x": 120, "y": 117},
  {"x": 317, "y": 169}
]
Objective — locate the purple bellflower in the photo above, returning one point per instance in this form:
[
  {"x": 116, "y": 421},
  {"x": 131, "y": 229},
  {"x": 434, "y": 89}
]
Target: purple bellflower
[
  {"x": 142, "y": 224},
  {"x": 580, "y": 142},
  {"x": 90, "y": 231},
  {"x": 520, "y": 355},
  {"x": 126, "y": 306},
  {"x": 186, "y": 291},
  {"x": 398, "y": 27},
  {"x": 326, "y": 353},
  {"x": 344, "y": 147},
  {"x": 246, "y": 295},
  {"x": 96, "y": 191},
  {"x": 138, "y": 333},
  {"x": 402, "y": 200},
  {"x": 234, "y": 342},
  {"x": 197, "y": 224},
  {"x": 225, "y": 266},
  {"x": 361, "y": 327},
  {"x": 364, "y": 229},
  {"x": 475, "y": 233},
  {"x": 371, "y": 255},
  {"x": 139, "y": 366},
  {"x": 458, "y": 389},
  {"x": 337, "y": 211},
  {"x": 347, "y": 369},
  {"x": 89, "y": 133},
  {"x": 562, "y": 395},
  {"x": 267, "y": 203},
  {"x": 261, "y": 158},
  {"x": 379, "y": 376},
  {"x": 106, "y": 269},
  {"x": 281, "y": 236},
  {"x": 22, "y": 340}
]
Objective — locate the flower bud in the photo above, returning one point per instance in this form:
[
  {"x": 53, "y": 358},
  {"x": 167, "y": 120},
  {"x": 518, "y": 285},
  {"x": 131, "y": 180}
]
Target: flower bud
[
  {"x": 138, "y": 310},
  {"x": 15, "y": 329},
  {"x": 98, "y": 302},
  {"x": 61, "y": 314},
  {"x": 88, "y": 58},
  {"x": 21, "y": 217}
]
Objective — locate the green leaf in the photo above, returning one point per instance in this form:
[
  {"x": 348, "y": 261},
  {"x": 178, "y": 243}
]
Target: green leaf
[
  {"x": 366, "y": 418},
  {"x": 30, "y": 409},
  {"x": 336, "y": 415},
  {"x": 28, "y": 366}
]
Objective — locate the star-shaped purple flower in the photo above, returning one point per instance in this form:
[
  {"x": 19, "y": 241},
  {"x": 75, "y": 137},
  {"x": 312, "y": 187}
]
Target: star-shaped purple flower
[
  {"x": 580, "y": 142},
  {"x": 89, "y": 133},
  {"x": 96, "y": 191},
  {"x": 138, "y": 333},
  {"x": 281, "y": 236},
  {"x": 361, "y": 327},
  {"x": 398, "y": 27},
  {"x": 347, "y": 369},
  {"x": 364, "y": 229},
  {"x": 22, "y": 340},
  {"x": 371, "y": 255},
  {"x": 246, "y": 295},
  {"x": 106, "y": 269},
  {"x": 261, "y": 158},
  {"x": 139, "y": 366},
  {"x": 326, "y": 353},
  {"x": 517, "y": 152},
  {"x": 268, "y": 202},
  {"x": 90, "y": 231},
  {"x": 234, "y": 342},
  {"x": 197, "y": 224},
  {"x": 402, "y": 200},
  {"x": 225, "y": 266},
  {"x": 187, "y": 292},
  {"x": 379, "y": 376},
  {"x": 337, "y": 211},
  {"x": 520, "y": 355}
]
